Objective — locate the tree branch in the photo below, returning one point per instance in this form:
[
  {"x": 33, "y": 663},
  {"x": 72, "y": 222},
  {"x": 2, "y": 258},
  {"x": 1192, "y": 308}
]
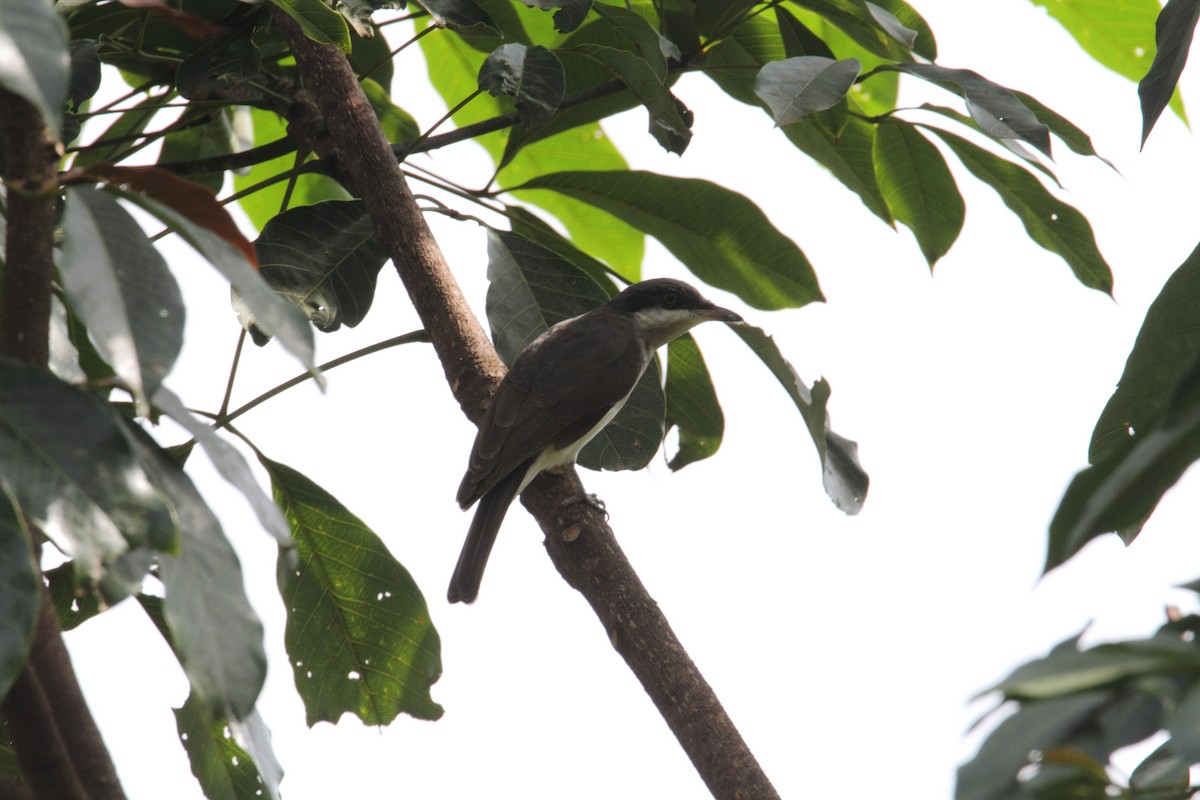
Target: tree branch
[
  {"x": 341, "y": 126},
  {"x": 57, "y": 743}
]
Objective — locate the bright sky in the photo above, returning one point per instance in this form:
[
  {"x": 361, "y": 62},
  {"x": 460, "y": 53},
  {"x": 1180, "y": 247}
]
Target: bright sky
[{"x": 845, "y": 649}]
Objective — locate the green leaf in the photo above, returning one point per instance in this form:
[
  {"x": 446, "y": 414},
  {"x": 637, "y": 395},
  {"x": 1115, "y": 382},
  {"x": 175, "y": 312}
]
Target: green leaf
[
  {"x": 849, "y": 157},
  {"x": 1121, "y": 491},
  {"x": 692, "y": 405},
  {"x": 318, "y": 21},
  {"x": 225, "y": 754},
  {"x": 1183, "y": 723},
  {"x": 1173, "y": 39},
  {"x": 398, "y": 125},
  {"x": 254, "y": 299},
  {"x": 734, "y": 61},
  {"x": 212, "y": 628},
  {"x": 1068, "y": 671},
  {"x": 36, "y": 63},
  {"x": 20, "y": 589},
  {"x": 461, "y": 13},
  {"x": 119, "y": 284},
  {"x": 717, "y": 18},
  {"x": 455, "y": 64},
  {"x": 1037, "y": 726},
  {"x": 531, "y": 289},
  {"x": 864, "y": 27},
  {"x": 74, "y": 603},
  {"x": 797, "y": 87},
  {"x": 265, "y": 203},
  {"x": 844, "y": 479},
  {"x": 64, "y": 458},
  {"x": 1163, "y": 355},
  {"x": 1162, "y": 773},
  {"x": 918, "y": 187},
  {"x": 996, "y": 109},
  {"x": 203, "y": 133},
  {"x": 1116, "y": 33},
  {"x": 1050, "y": 222},
  {"x": 532, "y": 76},
  {"x": 670, "y": 121},
  {"x": 568, "y": 14},
  {"x": 1071, "y": 134},
  {"x": 718, "y": 234},
  {"x": 229, "y": 464},
  {"x": 85, "y": 73},
  {"x": 528, "y": 225},
  {"x": 358, "y": 633},
  {"x": 324, "y": 259}
]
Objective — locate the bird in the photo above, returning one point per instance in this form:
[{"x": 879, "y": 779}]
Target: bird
[{"x": 561, "y": 391}]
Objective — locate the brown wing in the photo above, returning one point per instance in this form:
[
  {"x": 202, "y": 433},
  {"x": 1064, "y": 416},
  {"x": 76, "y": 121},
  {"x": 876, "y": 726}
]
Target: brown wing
[{"x": 558, "y": 389}]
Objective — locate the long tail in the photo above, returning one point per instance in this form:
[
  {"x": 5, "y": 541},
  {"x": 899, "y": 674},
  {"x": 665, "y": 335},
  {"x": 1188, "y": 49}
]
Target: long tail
[{"x": 464, "y": 584}]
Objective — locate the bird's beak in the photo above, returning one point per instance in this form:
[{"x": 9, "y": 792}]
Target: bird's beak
[{"x": 718, "y": 314}]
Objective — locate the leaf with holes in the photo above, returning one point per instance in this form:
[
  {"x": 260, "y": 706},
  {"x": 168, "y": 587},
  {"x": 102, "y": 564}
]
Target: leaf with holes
[
  {"x": 1050, "y": 222},
  {"x": 323, "y": 259},
  {"x": 358, "y": 632}
]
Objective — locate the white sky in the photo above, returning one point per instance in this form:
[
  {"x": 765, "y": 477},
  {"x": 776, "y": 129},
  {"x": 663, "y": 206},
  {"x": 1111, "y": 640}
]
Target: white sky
[{"x": 845, "y": 649}]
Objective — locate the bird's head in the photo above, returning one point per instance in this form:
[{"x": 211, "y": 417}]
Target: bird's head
[{"x": 663, "y": 309}]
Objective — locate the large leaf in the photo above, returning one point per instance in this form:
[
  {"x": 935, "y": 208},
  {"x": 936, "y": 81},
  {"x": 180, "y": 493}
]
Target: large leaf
[
  {"x": 205, "y": 614},
  {"x": 1173, "y": 37},
  {"x": 720, "y": 235},
  {"x": 231, "y": 760},
  {"x": 798, "y": 87},
  {"x": 531, "y": 76},
  {"x": 692, "y": 406},
  {"x": 65, "y": 460},
  {"x": 1053, "y": 224},
  {"x": 1120, "y": 491},
  {"x": 1164, "y": 353},
  {"x": 20, "y": 589},
  {"x": 119, "y": 284},
  {"x": 848, "y": 156},
  {"x": 918, "y": 187},
  {"x": 358, "y": 633},
  {"x": 992, "y": 773},
  {"x": 256, "y": 302},
  {"x": 997, "y": 110},
  {"x": 324, "y": 259},
  {"x": 34, "y": 60},
  {"x": 213, "y": 630},
  {"x": 531, "y": 289},
  {"x": 844, "y": 479},
  {"x": 875, "y": 32}
]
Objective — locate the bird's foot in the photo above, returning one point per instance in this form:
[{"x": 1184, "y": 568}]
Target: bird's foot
[{"x": 588, "y": 499}]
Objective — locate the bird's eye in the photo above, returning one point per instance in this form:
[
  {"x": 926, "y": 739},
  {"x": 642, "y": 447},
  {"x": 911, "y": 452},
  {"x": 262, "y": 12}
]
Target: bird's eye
[{"x": 670, "y": 298}]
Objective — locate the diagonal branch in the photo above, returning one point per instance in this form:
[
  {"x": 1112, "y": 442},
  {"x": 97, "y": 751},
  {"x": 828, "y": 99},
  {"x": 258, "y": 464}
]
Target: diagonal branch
[{"x": 340, "y": 126}]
